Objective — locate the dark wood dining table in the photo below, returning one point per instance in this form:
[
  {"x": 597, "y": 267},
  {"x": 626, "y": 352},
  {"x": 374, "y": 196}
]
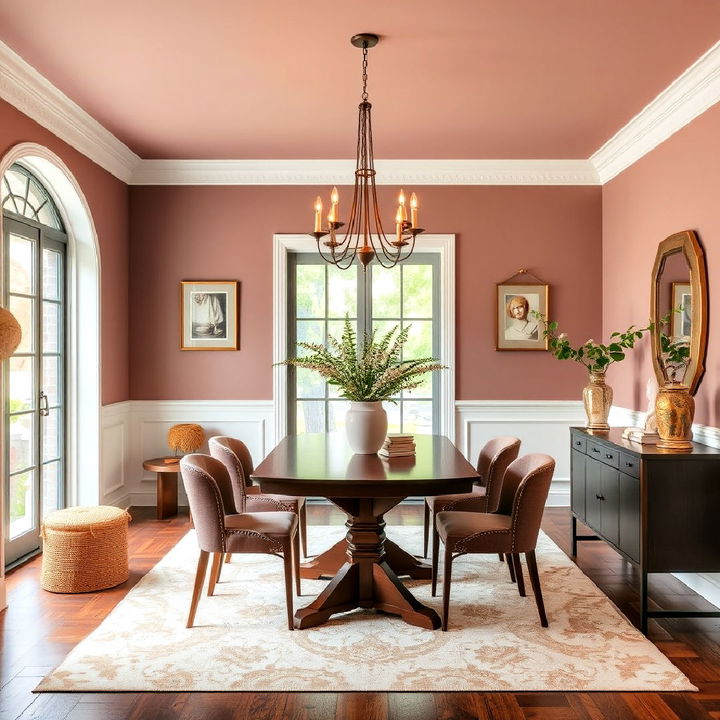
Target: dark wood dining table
[{"x": 365, "y": 487}]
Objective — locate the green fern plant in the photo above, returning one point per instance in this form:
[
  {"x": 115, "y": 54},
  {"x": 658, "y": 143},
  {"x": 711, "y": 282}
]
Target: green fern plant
[{"x": 375, "y": 372}]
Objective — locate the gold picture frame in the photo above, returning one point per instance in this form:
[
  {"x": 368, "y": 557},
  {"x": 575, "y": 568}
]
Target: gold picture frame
[
  {"x": 515, "y": 327},
  {"x": 209, "y": 311},
  {"x": 681, "y": 322}
]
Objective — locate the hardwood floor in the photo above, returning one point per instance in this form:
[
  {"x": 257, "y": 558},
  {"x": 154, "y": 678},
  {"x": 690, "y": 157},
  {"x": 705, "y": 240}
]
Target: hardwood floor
[{"x": 39, "y": 629}]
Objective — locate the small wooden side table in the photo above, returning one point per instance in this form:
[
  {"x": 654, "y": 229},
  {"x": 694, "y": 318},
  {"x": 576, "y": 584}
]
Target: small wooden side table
[{"x": 167, "y": 469}]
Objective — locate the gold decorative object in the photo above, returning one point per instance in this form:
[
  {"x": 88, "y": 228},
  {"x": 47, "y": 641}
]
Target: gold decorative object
[
  {"x": 10, "y": 334},
  {"x": 185, "y": 437},
  {"x": 674, "y": 408},
  {"x": 681, "y": 249},
  {"x": 597, "y": 397}
]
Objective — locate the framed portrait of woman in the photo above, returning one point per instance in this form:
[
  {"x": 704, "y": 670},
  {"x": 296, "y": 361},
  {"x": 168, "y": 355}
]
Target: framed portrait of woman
[
  {"x": 517, "y": 328},
  {"x": 209, "y": 315}
]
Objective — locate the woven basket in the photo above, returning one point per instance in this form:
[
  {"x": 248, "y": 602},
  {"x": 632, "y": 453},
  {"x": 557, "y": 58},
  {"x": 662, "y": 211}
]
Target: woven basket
[{"x": 84, "y": 549}]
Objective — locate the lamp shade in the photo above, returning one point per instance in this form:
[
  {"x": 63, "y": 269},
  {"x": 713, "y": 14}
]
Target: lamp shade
[
  {"x": 10, "y": 334},
  {"x": 186, "y": 437}
]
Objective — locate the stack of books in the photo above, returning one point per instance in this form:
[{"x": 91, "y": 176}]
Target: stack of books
[{"x": 397, "y": 445}]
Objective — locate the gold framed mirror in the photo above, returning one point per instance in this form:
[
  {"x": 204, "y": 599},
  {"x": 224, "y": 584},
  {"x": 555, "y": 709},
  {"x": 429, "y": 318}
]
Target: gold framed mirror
[{"x": 679, "y": 279}]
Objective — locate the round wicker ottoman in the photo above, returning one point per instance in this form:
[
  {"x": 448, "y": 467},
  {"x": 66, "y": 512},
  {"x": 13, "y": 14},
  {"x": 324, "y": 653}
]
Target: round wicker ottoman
[{"x": 84, "y": 549}]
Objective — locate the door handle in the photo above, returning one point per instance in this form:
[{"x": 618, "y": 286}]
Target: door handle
[{"x": 44, "y": 405}]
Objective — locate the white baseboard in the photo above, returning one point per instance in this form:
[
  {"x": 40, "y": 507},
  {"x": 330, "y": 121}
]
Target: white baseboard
[{"x": 707, "y": 585}]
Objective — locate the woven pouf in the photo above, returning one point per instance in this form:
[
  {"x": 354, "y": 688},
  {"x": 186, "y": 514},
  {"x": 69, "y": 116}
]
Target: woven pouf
[{"x": 84, "y": 549}]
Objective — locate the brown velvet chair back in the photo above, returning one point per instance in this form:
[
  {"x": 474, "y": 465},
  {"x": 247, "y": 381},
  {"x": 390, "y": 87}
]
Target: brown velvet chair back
[
  {"x": 236, "y": 457},
  {"x": 535, "y": 472},
  {"x": 494, "y": 458},
  {"x": 207, "y": 485}
]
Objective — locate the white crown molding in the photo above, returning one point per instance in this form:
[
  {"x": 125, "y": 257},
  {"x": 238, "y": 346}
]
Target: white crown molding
[
  {"x": 27, "y": 90},
  {"x": 341, "y": 172},
  {"x": 690, "y": 95}
]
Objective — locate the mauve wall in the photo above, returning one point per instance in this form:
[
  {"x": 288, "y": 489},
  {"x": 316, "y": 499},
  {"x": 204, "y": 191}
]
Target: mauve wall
[
  {"x": 107, "y": 199},
  {"x": 191, "y": 233},
  {"x": 675, "y": 187}
]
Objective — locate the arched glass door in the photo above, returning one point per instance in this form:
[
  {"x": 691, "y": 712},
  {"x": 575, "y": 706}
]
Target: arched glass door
[{"x": 34, "y": 243}]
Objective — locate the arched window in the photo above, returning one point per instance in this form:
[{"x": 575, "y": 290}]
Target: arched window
[
  {"x": 34, "y": 245},
  {"x": 23, "y": 195}
]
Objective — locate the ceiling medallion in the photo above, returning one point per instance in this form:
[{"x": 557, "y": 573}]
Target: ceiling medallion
[{"x": 364, "y": 237}]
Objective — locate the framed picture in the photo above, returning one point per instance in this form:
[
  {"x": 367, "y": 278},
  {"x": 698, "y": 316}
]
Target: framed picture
[
  {"x": 209, "y": 315},
  {"x": 516, "y": 328},
  {"x": 681, "y": 322}
]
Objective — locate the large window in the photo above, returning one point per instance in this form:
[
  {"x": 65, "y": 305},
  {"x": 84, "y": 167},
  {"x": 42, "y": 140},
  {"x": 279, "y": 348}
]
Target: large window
[
  {"x": 320, "y": 297},
  {"x": 34, "y": 244}
]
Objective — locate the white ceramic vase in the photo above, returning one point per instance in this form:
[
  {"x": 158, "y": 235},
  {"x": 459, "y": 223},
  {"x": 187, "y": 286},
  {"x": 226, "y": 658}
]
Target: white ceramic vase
[{"x": 366, "y": 426}]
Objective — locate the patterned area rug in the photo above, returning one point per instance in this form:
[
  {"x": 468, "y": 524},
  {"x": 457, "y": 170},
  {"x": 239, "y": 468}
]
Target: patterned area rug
[{"x": 241, "y": 642}]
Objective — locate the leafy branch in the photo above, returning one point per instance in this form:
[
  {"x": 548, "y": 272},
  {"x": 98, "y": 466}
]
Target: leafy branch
[{"x": 596, "y": 357}]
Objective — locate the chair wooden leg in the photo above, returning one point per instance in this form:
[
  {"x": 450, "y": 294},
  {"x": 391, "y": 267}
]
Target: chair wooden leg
[
  {"x": 296, "y": 560},
  {"x": 535, "y": 582},
  {"x": 435, "y": 553},
  {"x": 501, "y": 557},
  {"x": 214, "y": 572},
  {"x": 511, "y": 566},
  {"x": 447, "y": 571},
  {"x": 197, "y": 589},
  {"x": 519, "y": 574},
  {"x": 288, "y": 562},
  {"x": 426, "y": 528},
  {"x": 302, "y": 524},
  {"x": 227, "y": 557}
]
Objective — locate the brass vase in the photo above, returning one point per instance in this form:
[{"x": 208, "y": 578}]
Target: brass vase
[
  {"x": 674, "y": 410},
  {"x": 597, "y": 396}
]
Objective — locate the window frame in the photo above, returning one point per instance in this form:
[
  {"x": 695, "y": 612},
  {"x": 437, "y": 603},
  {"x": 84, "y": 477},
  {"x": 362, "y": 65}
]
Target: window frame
[{"x": 442, "y": 245}]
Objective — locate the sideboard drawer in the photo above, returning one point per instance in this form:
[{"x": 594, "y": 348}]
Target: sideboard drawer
[
  {"x": 603, "y": 453},
  {"x": 629, "y": 464},
  {"x": 579, "y": 444}
]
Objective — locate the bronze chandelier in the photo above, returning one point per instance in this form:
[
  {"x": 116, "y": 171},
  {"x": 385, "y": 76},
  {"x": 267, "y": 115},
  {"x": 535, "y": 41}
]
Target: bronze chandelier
[{"x": 364, "y": 237}]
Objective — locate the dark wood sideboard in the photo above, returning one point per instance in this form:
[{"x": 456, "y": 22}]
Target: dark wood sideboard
[{"x": 658, "y": 508}]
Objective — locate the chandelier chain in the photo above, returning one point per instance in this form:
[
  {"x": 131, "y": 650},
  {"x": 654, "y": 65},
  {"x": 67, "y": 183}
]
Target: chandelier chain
[{"x": 364, "y": 73}]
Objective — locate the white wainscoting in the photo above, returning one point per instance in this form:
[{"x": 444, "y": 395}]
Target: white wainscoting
[
  {"x": 541, "y": 425},
  {"x": 115, "y": 454},
  {"x": 136, "y": 430}
]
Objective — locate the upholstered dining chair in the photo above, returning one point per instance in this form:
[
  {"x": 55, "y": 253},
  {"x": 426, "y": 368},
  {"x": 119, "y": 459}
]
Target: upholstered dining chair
[
  {"x": 220, "y": 529},
  {"x": 494, "y": 458},
  {"x": 248, "y": 497},
  {"x": 528, "y": 480}
]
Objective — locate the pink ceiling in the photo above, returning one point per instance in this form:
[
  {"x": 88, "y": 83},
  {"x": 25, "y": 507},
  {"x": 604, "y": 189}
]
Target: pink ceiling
[{"x": 279, "y": 79}]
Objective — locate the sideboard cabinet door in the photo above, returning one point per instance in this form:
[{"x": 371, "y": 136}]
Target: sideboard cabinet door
[
  {"x": 577, "y": 484},
  {"x": 610, "y": 506},
  {"x": 629, "y": 541},
  {"x": 593, "y": 494}
]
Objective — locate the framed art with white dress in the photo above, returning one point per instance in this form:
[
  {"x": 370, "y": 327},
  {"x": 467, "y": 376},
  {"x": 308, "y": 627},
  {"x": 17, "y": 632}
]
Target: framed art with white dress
[{"x": 209, "y": 315}]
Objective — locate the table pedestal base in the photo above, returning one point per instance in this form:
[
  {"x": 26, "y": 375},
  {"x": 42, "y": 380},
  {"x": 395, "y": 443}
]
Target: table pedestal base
[
  {"x": 366, "y": 567},
  {"x": 384, "y": 592},
  {"x": 328, "y": 564}
]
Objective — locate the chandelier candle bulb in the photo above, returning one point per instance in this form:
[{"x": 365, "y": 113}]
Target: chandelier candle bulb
[
  {"x": 335, "y": 200},
  {"x": 413, "y": 210},
  {"x": 318, "y": 214},
  {"x": 403, "y": 209}
]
